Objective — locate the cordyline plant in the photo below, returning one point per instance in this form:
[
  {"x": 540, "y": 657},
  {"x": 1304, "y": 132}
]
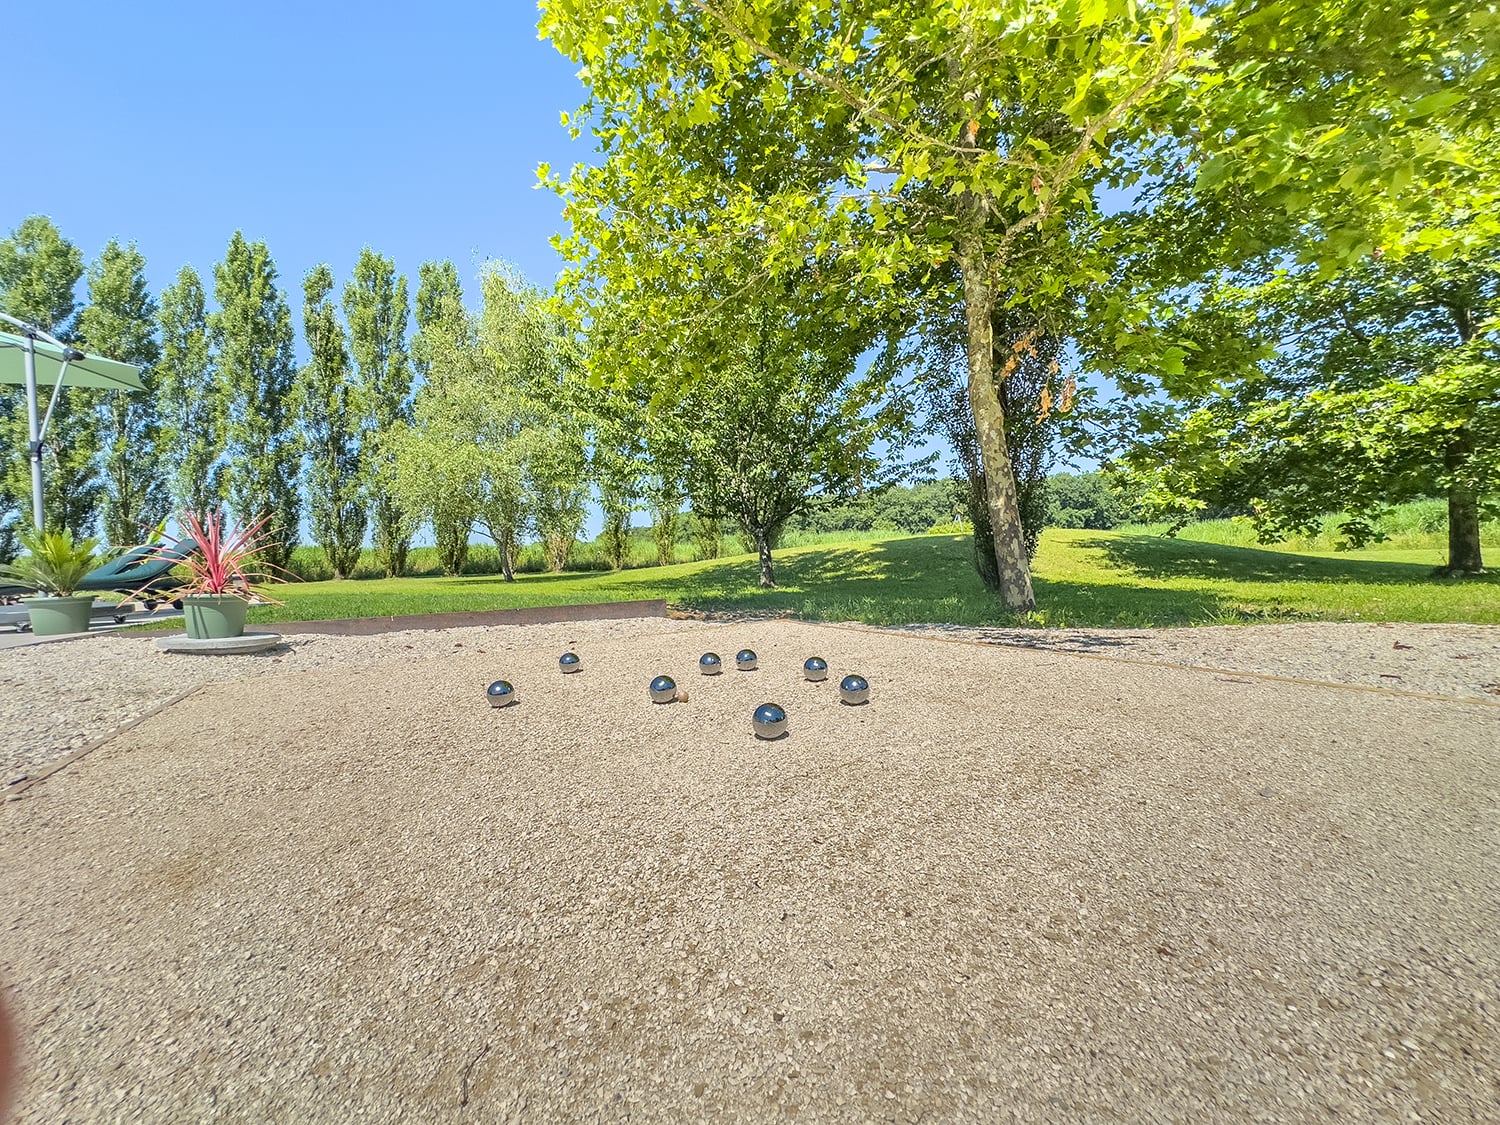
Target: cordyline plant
[{"x": 228, "y": 558}]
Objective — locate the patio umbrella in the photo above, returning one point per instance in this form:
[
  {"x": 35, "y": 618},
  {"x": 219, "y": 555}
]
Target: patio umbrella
[{"x": 29, "y": 356}]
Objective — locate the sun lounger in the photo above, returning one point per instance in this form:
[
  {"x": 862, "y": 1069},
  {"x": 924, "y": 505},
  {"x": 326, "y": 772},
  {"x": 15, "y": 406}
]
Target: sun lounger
[{"x": 144, "y": 573}]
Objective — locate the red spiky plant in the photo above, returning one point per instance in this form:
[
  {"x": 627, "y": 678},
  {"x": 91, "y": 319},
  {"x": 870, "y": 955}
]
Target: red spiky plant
[{"x": 228, "y": 559}]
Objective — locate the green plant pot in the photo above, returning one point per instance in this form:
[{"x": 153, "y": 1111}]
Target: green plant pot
[
  {"x": 52, "y": 617},
  {"x": 214, "y": 617}
]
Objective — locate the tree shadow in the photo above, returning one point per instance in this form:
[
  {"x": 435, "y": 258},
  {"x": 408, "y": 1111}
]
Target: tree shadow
[
  {"x": 895, "y": 571},
  {"x": 1161, "y": 558}
]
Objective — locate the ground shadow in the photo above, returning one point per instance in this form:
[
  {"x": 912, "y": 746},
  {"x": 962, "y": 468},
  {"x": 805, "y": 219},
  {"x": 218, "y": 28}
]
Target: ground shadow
[{"x": 1158, "y": 557}]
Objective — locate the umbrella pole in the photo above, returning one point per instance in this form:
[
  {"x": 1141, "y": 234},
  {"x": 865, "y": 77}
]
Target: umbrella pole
[{"x": 35, "y": 446}]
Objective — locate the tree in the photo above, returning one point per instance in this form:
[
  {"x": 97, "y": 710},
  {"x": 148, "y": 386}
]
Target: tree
[
  {"x": 972, "y": 136},
  {"x": 616, "y": 467},
  {"x": 461, "y": 458},
  {"x": 251, "y": 335},
  {"x": 783, "y": 422},
  {"x": 1094, "y": 501},
  {"x": 440, "y": 311},
  {"x": 1292, "y": 317},
  {"x": 537, "y": 364},
  {"x": 39, "y": 272},
  {"x": 664, "y": 492},
  {"x": 1306, "y": 394},
  {"x": 375, "y": 305},
  {"x": 809, "y": 123},
  {"x": 1034, "y": 393},
  {"x": 331, "y": 418},
  {"x": 120, "y": 322},
  {"x": 192, "y": 409}
]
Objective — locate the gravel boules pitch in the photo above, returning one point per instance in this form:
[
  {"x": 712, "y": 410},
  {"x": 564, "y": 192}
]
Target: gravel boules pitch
[{"x": 1016, "y": 886}]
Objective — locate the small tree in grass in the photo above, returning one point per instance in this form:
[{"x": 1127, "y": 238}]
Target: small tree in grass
[{"x": 783, "y": 422}]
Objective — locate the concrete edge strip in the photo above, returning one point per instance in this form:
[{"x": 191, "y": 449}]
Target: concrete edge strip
[
  {"x": 16, "y": 788},
  {"x": 1400, "y": 693}
]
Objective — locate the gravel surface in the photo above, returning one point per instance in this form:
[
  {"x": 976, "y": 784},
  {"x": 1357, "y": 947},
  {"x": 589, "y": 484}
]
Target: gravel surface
[
  {"x": 1461, "y": 660},
  {"x": 58, "y": 697},
  {"x": 1017, "y": 886}
]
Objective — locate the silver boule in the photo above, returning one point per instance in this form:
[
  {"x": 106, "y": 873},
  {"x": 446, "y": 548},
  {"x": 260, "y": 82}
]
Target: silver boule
[
  {"x": 501, "y": 693},
  {"x": 710, "y": 664},
  {"x": 815, "y": 668},
  {"x": 569, "y": 662},
  {"x": 769, "y": 721},
  {"x": 854, "y": 690},
  {"x": 745, "y": 660},
  {"x": 663, "y": 689}
]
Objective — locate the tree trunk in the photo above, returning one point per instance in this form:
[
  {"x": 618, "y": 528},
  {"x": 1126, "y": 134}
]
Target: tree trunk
[
  {"x": 763, "y": 548},
  {"x": 1013, "y": 571},
  {"x": 507, "y": 568},
  {"x": 1464, "y": 555}
]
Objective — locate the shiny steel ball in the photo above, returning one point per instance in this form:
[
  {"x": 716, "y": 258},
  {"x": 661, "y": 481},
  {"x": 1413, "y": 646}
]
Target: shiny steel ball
[
  {"x": 663, "y": 689},
  {"x": 710, "y": 664},
  {"x": 569, "y": 662},
  {"x": 769, "y": 721},
  {"x": 745, "y": 660},
  {"x": 815, "y": 668},
  {"x": 854, "y": 690},
  {"x": 501, "y": 694}
]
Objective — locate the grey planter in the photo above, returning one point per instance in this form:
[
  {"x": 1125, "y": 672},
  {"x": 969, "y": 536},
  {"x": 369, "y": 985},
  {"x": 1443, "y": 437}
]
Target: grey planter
[
  {"x": 214, "y": 617},
  {"x": 54, "y": 617}
]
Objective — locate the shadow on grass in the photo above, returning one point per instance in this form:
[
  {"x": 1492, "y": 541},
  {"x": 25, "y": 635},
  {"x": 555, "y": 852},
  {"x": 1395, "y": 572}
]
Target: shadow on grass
[
  {"x": 931, "y": 579},
  {"x": 1158, "y": 557}
]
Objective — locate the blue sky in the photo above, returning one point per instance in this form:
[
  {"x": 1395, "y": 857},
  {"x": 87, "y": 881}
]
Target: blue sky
[{"x": 318, "y": 128}]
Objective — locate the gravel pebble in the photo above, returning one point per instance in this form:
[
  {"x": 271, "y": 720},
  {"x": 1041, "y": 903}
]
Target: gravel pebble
[
  {"x": 1458, "y": 660},
  {"x": 1015, "y": 886}
]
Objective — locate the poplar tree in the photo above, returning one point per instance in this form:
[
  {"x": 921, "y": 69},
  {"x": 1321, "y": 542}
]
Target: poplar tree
[
  {"x": 331, "y": 419},
  {"x": 120, "y": 322},
  {"x": 375, "y": 305},
  {"x": 191, "y": 399},
  {"x": 251, "y": 336},
  {"x": 440, "y": 350},
  {"x": 39, "y": 271}
]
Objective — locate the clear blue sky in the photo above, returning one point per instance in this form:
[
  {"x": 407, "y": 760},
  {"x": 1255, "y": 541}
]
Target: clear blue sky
[{"x": 318, "y": 128}]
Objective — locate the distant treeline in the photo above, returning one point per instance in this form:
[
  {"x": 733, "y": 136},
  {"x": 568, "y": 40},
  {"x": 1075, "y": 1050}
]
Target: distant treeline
[{"x": 1082, "y": 500}]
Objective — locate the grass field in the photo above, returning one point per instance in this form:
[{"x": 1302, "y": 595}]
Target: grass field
[{"x": 1082, "y": 578}]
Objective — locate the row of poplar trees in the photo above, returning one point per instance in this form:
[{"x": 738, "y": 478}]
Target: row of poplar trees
[{"x": 228, "y": 417}]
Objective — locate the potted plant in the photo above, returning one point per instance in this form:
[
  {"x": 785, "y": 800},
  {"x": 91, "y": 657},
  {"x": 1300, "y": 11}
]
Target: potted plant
[
  {"x": 54, "y": 565},
  {"x": 224, "y": 570}
]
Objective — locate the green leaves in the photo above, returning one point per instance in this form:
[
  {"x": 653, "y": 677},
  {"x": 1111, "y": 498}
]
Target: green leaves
[
  {"x": 251, "y": 336},
  {"x": 331, "y": 413},
  {"x": 191, "y": 402}
]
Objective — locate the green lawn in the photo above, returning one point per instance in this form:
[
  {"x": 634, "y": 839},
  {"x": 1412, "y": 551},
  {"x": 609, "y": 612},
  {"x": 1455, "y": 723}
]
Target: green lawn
[{"x": 1096, "y": 578}]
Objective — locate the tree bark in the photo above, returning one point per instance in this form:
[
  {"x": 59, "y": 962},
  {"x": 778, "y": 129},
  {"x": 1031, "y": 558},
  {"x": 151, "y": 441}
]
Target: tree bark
[
  {"x": 1464, "y": 556},
  {"x": 507, "y": 569},
  {"x": 763, "y": 547},
  {"x": 1013, "y": 570}
]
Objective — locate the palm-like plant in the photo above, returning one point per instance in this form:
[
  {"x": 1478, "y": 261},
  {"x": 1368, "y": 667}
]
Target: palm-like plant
[
  {"x": 53, "y": 563},
  {"x": 229, "y": 558}
]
